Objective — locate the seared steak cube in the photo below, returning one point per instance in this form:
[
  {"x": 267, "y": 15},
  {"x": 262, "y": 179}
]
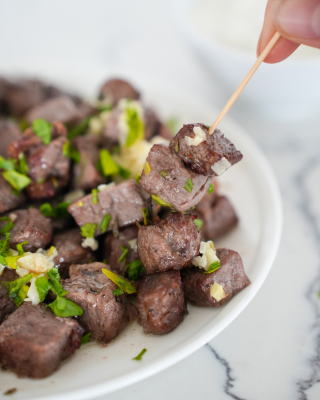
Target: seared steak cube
[
  {"x": 9, "y": 131},
  {"x": 116, "y": 89},
  {"x": 30, "y": 225},
  {"x": 231, "y": 276},
  {"x": 203, "y": 153},
  {"x": 169, "y": 177},
  {"x": 113, "y": 252},
  {"x": 9, "y": 200},
  {"x": 218, "y": 216},
  {"x": 123, "y": 202},
  {"x": 33, "y": 342},
  {"x": 7, "y": 305},
  {"x": 104, "y": 314},
  {"x": 161, "y": 302},
  {"x": 85, "y": 173},
  {"x": 70, "y": 251},
  {"x": 171, "y": 244}
]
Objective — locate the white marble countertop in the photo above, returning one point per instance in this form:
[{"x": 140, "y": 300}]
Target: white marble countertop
[{"x": 272, "y": 350}]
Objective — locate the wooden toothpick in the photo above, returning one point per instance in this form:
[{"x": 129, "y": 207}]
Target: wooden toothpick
[{"x": 242, "y": 85}]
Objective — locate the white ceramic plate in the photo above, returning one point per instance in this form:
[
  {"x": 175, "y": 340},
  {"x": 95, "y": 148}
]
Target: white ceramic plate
[{"x": 252, "y": 188}]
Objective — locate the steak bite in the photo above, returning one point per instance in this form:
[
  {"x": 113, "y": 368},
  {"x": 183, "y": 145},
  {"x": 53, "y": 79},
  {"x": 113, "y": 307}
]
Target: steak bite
[
  {"x": 7, "y": 305},
  {"x": 85, "y": 174},
  {"x": 123, "y": 202},
  {"x": 116, "y": 89},
  {"x": 104, "y": 314},
  {"x": 112, "y": 249},
  {"x": 30, "y": 225},
  {"x": 168, "y": 177},
  {"x": 171, "y": 244},
  {"x": 203, "y": 153},
  {"x": 217, "y": 214},
  {"x": 9, "y": 131},
  {"x": 33, "y": 342},
  {"x": 161, "y": 302},
  {"x": 9, "y": 200},
  {"x": 70, "y": 251},
  {"x": 199, "y": 288}
]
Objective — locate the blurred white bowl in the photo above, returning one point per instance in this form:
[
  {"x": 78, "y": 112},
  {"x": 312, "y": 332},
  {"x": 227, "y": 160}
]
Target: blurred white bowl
[{"x": 290, "y": 88}]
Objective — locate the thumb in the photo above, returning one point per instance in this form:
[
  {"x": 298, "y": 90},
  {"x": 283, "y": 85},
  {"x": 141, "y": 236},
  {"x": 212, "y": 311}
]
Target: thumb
[{"x": 299, "y": 21}]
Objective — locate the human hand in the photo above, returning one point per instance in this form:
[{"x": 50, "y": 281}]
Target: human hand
[{"x": 298, "y": 22}]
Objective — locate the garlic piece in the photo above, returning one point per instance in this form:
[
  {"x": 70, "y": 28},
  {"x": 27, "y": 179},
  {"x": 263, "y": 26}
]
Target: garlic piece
[
  {"x": 36, "y": 262},
  {"x": 217, "y": 292},
  {"x": 208, "y": 255},
  {"x": 221, "y": 166},
  {"x": 90, "y": 242},
  {"x": 74, "y": 195},
  {"x": 133, "y": 244},
  {"x": 33, "y": 295},
  {"x": 105, "y": 186},
  {"x": 199, "y": 137}
]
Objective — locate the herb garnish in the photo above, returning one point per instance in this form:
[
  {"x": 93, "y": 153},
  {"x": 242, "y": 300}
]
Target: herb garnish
[
  {"x": 139, "y": 356},
  {"x": 17, "y": 290},
  {"x": 94, "y": 194},
  {"x": 42, "y": 129},
  {"x": 8, "y": 164},
  {"x": 164, "y": 174},
  {"x": 213, "y": 267},
  {"x": 8, "y": 226},
  {"x": 16, "y": 180},
  {"x": 199, "y": 223},
  {"x": 108, "y": 165},
  {"x": 86, "y": 338},
  {"x": 189, "y": 185},
  {"x": 124, "y": 253},
  {"x": 138, "y": 179},
  {"x": 211, "y": 188},
  {"x": 79, "y": 129},
  {"x": 54, "y": 278},
  {"x": 135, "y": 125},
  {"x": 58, "y": 211},
  {"x": 118, "y": 292},
  {"x": 105, "y": 223},
  {"x": 145, "y": 215},
  {"x": 43, "y": 287},
  {"x": 63, "y": 307},
  {"x": 70, "y": 152},
  {"x": 161, "y": 202},
  {"x": 88, "y": 230},
  {"x": 123, "y": 284},
  {"x": 135, "y": 270}
]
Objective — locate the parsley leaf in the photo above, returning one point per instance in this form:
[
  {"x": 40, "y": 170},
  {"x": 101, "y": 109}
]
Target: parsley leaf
[
  {"x": 135, "y": 125},
  {"x": 86, "y": 338},
  {"x": 189, "y": 185},
  {"x": 79, "y": 129},
  {"x": 105, "y": 223},
  {"x": 211, "y": 188},
  {"x": 54, "y": 278},
  {"x": 118, "y": 292},
  {"x": 88, "y": 230},
  {"x": 16, "y": 180},
  {"x": 70, "y": 152},
  {"x": 123, "y": 254},
  {"x": 58, "y": 211},
  {"x": 42, "y": 129},
  {"x": 164, "y": 174},
  {"x": 213, "y": 267},
  {"x": 43, "y": 287},
  {"x": 94, "y": 193},
  {"x": 138, "y": 179},
  {"x": 13, "y": 287},
  {"x": 7, "y": 164},
  {"x": 135, "y": 270},
  {"x": 139, "y": 356},
  {"x": 8, "y": 226},
  {"x": 63, "y": 307},
  {"x": 123, "y": 284},
  {"x": 108, "y": 165},
  {"x": 199, "y": 223},
  {"x": 159, "y": 201},
  {"x": 145, "y": 215},
  {"x": 22, "y": 294}
]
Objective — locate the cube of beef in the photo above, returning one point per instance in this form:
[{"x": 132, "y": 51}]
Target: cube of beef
[
  {"x": 9, "y": 200},
  {"x": 205, "y": 154},
  {"x": 33, "y": 342},
  {"x": 85, "y": 173},
  {"x": 230, "y": 276},
  {"x": 116, "y": 89},
  {"x": 9, "y": 131},
  {"x": 161, "y": 302},
  {"x": 70, "y": 251},
  {"x": 112, "y": 249},
  {"x": 123, "y": 202},
  {"x": 62, "y": 109},
  {"x": 152, "y": 123},
  {"x": 104, "y": 314},
  {"x": 171, "y": 244},
  {"x": 218, "y": 217},
  {"x": 45, "y": 190},
  {"x": 169, "y": 177},
  {"x": 30, "y": 225},
  {"x": 7, "y": 305}
]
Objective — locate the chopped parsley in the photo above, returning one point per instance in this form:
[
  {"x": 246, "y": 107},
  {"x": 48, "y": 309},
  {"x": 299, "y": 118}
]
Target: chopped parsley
[
  {"x": 118, "y": 292},
  {"x": 79, "y": 129},
  {"x": 17, "y": 290},
  {"x": 138, "y": 179},
  {"x": 124, "y": 173},
  {"x": 145, "y": 215},
  {"x": 7, "y": 165},
  {"x": 135, "y": 270},
  {"x": 199, "y": 223},
  {"x": 124, "y": 253},
  {"x": 139, "y": 356},
  {"x": 63, "y": 307},
  {"x": 43, "y": 287},
  {"x": 211, "y": 188},
  {"x": 8, "y": 226},
  {"x": 17, "y": 180},
  {"x": 94, "y": 194},
  {"x": 42, "y": 129},
  {"x": 88, "y": 230},
  {"x": 161, "y": 202},
  {"x": 20, "y": 248},
  {"x": 164, "y": 174},
  {"x": 107, "y": 164},
  {"x": 86, "y": 338},
  {"x": 4, "y": 249},
  {"x": 105, "y": 223},
  {"x": 213, "y": 267},
  {"x": 189, "y": 185},
  {"x": 23, "y": 167},
  {"x": 135, "y": 125},
  {"x": 70, "y": 152},
  {"x": 123, "y": 284},
  {"x": 54, "y": 278},
  {"x": 58, "y": 211}
]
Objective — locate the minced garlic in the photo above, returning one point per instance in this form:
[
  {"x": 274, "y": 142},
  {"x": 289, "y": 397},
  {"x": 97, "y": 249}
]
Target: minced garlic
[
  {"x": 200, "y": 136},
  {"x": 217, "y": 292},
  {"x": 208, "y": 255},
  {"x": 221, "y": 166},
  {"x": 90, "y": 242}
]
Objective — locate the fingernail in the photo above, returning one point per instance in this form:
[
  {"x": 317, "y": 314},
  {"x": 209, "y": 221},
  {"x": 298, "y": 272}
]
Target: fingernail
[{"x": 298, "y": 18}]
